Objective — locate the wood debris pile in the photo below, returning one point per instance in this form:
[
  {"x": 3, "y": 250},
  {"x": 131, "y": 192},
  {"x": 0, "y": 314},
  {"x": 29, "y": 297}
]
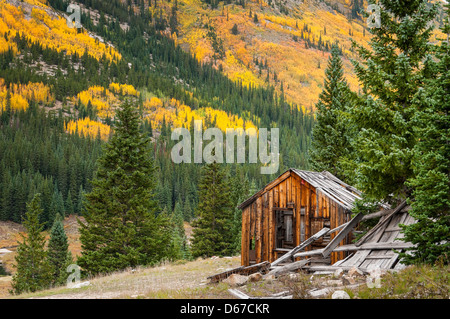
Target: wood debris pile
[{"x": 377, "y": 251}]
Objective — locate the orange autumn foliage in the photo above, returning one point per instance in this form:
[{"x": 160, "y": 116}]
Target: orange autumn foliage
[
  {"x": 103, "y": 100},
  {"x": 177, "y": 114},
  {"x": 51, "y": 31}
]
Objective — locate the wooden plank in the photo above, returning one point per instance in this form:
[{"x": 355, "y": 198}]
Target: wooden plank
[
  {"x": 308, "y": 211},
  {"x": 306, "y": 243},
  {"x": 341, "y": 235},
  {"x": 258, "y": 242},
  {"x": 265, "y": 233},
  {"x": 298, "y": 206},
  {"x": 380, "y": 224},
  {"x": 380, "y": 213},
  {"x": 245, "y": 237},
  {"x": 376, "y": 246},
  {"x": 332, "y": 268},
  {"x": 282, "y": 194},
  {"x": 343, "y": 260},
  {"x": 288, "y": 190},
  {"x": 238, "y": 294},
  {"x": 357, "y": 259},
  {"x": 271, "y": 228},
  {"x": 262, "y": 267},
  {"x": 225, "y": 274},
  {"x": 381, "y": 256},
  {"x": 352, "y": 247},
  {"x": 289, "y": 267}
]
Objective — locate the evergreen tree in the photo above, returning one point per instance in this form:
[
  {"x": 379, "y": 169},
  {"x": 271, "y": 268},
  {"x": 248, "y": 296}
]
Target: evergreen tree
[
  {"x": 69, "y": 207},
  {"x": 212, "y": 230},
  {"x": 331, "y": 133},
  {"x": 237, "y": 229},
  {"x": 58, "y": 253},
  {"x": 431, "y": 163},
  {"x": 179, "y": 248},
  {"x": 234, "y": 29},
  {"x": 33, "y": 270},
  {"x": 391, "y": 74},
  {"x": 56, "y": 207},
  {"x": 121, "y": 228}
]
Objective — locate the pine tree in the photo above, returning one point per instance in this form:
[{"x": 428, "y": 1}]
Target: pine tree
[
  {"x": 58, "y": 253},
  {"x": 121, "y": 228},
  {"x": 431, "y": 163},
  {"x": 331, "y": 133},
  {"x": 179, "y": 249},
  {"x": 391, "y": 73},
  {"x": 33, "y": 270},
  {"x": 69, "y": 207},
  {"x": 212, "y": 230},
  {"x": 56, "y": 207}
]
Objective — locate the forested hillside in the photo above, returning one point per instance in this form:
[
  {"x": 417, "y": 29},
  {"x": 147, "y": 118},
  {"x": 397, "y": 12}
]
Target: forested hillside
[{"x": 80, "y": 77}]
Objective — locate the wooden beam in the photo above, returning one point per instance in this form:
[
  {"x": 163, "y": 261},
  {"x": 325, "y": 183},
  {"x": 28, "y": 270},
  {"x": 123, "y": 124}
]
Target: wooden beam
[
  {"x": 352, "y": 247},
  {"x": 380, "y": 213},
  {"x": 289, "y": 267},
  {"x": 341, "y": 235},
  {"x": 262, "y": 267},
  {"x": 381, "y": 223},
  {"x": 306, "y": 243},
  {"x": 238, "y": 294}
]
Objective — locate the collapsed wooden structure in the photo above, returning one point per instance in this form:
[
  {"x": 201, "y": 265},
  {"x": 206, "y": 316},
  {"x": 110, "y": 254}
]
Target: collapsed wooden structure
[
  {"x": 379, "y": 248},
  {"x": 290, "y": 210}
]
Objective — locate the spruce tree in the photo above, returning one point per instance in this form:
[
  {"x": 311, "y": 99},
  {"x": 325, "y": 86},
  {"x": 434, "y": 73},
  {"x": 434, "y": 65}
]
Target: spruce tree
[
  {"x": 431, "y": 163},
  {"x": 33, "y": 270},
  {"x": 212, "y": 233},
  {"x": 391, "y": 73},
  {"x": 331, "y": 133},
  {"x": 121, "y": 228},
  {"x": 58, "y": 253}
]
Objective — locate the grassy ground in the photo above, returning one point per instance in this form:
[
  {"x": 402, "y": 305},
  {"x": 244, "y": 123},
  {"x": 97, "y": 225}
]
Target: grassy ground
[
  {"x": 416, "y": 282},
  {"x": 188, "y": 280}
]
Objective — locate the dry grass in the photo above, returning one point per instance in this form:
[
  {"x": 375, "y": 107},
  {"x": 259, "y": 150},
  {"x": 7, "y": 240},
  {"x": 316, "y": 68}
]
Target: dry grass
[
  {"x": 168, "y": 280},
  {"x": 414, "y": 282}
]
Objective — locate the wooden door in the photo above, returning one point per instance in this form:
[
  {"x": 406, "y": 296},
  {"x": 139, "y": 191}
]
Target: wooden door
[{"x": 284, "y": 224}]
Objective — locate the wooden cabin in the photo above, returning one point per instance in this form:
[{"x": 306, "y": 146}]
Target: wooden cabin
[{"x": 292, "y": 208}]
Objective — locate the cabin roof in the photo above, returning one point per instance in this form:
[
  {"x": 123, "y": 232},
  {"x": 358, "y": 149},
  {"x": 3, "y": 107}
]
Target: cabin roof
[{"x": 324, "y": 182}]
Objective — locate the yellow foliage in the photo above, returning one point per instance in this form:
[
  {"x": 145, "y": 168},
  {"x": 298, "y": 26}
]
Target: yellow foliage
[
  {"x": 103, "y": 100},
  {"x": 51, "y": 32},
  {"x": 21, "y": 94},
  {"x": 123, "y": 89},
  {"x": 37, "y": 92},
  {"x": 152, "y": 104},
  {"x": 87, "y": 127},
  {"x": 177, "y": 114}
]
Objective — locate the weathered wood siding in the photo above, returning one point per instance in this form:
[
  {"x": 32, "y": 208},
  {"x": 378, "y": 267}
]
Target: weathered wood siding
[{"x": 312, "y": 211}]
